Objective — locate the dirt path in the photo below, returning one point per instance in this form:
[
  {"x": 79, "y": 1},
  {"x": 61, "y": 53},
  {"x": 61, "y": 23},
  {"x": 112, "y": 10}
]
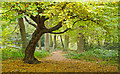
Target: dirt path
[
  {"x": 56, "y": 63},
  {"x": 57, "y": 56}
]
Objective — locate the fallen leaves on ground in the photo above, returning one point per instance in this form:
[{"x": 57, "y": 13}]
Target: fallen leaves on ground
[{"x": 54, "y": 64}]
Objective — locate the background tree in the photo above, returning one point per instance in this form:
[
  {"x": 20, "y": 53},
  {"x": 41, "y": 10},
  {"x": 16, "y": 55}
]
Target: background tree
[
  {"x": 54, "y": 42},
  {"x": 47, "y": 41},
  {"x": 66, "y": 42},
  {"x": 23, "y": 33}
]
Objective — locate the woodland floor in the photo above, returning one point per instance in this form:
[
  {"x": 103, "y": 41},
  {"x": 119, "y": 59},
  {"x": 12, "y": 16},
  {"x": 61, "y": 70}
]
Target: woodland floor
[{"x": 56, "y": 63}]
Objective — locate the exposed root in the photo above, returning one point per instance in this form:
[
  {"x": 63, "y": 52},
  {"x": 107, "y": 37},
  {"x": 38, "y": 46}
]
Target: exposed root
[{"x": 31, "y": 61}]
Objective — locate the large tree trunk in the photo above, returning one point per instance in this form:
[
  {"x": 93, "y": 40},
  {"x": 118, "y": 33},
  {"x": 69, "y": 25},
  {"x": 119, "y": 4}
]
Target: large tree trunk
[
  {"x": 47, "y": 41},
  {"x": 80, "y": 44},
  {"x": 23, "y": 33},
  {"x": 39, "y": 43},
  {"x": 29, "y": 52},
  {"x": 54, "y": 42},
  {"x": 66, "y": 41}
]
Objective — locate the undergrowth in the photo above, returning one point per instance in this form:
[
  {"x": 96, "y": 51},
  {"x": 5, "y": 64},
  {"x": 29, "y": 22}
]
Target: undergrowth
[
  {"x": 95, "y": 55},
  {"x": 11, "y": 53}
]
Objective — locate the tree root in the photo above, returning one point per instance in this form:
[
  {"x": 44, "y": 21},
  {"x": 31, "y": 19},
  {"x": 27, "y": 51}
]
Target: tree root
[{"x": 31, "y": 61}]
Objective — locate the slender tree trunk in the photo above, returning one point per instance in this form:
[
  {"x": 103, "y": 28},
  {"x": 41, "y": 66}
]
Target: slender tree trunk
[
  {"x": 86, "y": 43},
  {"x": 39, "y": 43},
  {"x": 29, "y": 52},
  {"x": 47, "y": 41},
  {"x": 80, "y": 43},
  {"x": 91, "y": 42},
  {"x": 119, "y": 40},
  {"x": 23, "y": 33},
  {"x": 66, "y": 41},
  {"x": 98, "y": 42},
  {"x": 61, "y": 41},
  {"x": 54, "y": 42},
  {"x": 50, "y": 40}
]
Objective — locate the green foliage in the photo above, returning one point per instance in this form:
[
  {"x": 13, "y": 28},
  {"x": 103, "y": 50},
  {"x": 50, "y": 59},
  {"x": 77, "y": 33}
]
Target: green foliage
[
  {"x": 93, "y": 55},
  {"x": 104, "y": 13},
  {"x": 12, "y": 53},
  {"x": 41, "y": 53}
]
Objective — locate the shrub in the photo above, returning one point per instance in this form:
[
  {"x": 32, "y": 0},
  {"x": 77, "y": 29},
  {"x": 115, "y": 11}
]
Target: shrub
[
  {"x": 41, "y": 53},
  {"x": 11, "y": 53},
  {"x": 93, "y": 55}
]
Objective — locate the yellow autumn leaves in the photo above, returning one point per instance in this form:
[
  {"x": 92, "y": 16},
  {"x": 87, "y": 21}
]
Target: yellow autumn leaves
[{"x": 55, "y": 66}]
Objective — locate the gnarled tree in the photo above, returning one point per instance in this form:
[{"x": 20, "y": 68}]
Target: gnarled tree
[{"x": 65, "y": 13}]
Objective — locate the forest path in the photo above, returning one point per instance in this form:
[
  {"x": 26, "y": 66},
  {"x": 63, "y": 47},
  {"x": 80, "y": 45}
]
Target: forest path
[
  {"x": 56, "y": 63},
  {"x": 57, "y": 56}
]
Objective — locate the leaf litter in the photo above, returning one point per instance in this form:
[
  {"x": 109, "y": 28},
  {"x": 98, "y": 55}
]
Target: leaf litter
[{"x": 56, "y": 63}]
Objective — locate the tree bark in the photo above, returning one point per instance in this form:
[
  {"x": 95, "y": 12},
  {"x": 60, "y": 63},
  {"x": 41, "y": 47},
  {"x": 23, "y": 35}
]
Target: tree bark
[
  {"x": 80, "y": 44},
  {"x": 50, "y": 40},
  {"x": 23, "y": 33},
  {"x": 47, "y": 41},
  {"x": 61, "y": 41},
  {"x": 119, "y": 40},
  {"x": 29, "y": 52},
  {"x": 41, "y": 29},
  {"x": 54, "y": 42},
  {"x": 39, "y": 43},
  {"x": 66, "y": 41}
]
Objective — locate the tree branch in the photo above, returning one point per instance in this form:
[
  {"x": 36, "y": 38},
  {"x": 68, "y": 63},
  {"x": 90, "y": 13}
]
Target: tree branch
[
  {"x": 60, "y": 32},
  {"x": 14, "y": 29},
  {"x": 31, "y": 16},
  {"x": 59, "y": 25},
  {"x": 97, "y": 22},
  {"x": 64, "y": 30},
  {"x": 8, "y": 10},
  {"x": 30, "y": 22},
  {"x": 46, "y": 18}
]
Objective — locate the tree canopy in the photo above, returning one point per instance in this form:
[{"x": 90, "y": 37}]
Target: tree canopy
[{"x": 91, "y": 19}]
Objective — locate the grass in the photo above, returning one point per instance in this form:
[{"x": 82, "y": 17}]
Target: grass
[
  {"x": 95, "y": 55},
  {"x": 41, "y": 54},
  {"x": 11, "y": 53}
]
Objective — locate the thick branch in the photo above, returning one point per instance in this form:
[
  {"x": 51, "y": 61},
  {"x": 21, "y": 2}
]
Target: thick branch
[
  {"x": 59, "y": 25},
  {"x": 31, "y": 16},
  {"x": 46, "y": 18},
  {"x": 60, "y": 32},
  {"x": 64, "y": 30},
  {"x": 56, "y": 27},
  {"x": 30, "y": 22}
]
